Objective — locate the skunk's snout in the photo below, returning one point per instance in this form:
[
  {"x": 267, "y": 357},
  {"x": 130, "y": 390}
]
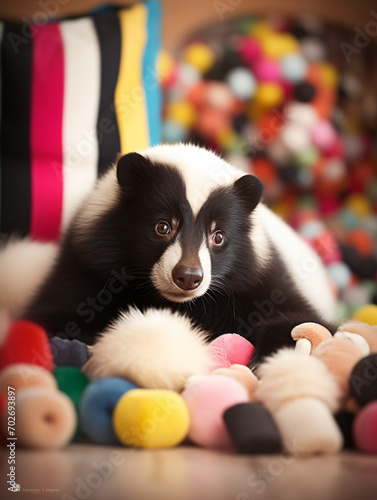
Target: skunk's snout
[{"x": 187, "y": 278}]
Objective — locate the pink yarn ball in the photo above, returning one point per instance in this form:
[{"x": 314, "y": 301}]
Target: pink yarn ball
[
  {"x": 207, "y": 398},
  {"x": 267, "y": 70},
  {"x": 230, "y": 349},
  {"x": 327, "y": 248},
  {"x": 329, "y": 205},
  {"x": 249, "y": 49},
  {"x": 365, "y": 428},
  {"x": 335, "y": 149},
  {"x": 324, "y": 135}
]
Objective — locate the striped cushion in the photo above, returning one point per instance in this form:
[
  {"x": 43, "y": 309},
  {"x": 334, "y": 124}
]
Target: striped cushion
[{"x": 74, "y": 93}]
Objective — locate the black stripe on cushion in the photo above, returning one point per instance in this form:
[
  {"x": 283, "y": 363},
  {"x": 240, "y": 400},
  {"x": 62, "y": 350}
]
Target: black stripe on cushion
[
  {"x": 15, "y": 189},
  {"x": 109, "y": 34}
]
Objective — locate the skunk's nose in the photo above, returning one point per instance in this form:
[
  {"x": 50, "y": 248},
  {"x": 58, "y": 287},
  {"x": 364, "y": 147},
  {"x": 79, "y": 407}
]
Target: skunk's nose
[{"x": 187, "y": 278}]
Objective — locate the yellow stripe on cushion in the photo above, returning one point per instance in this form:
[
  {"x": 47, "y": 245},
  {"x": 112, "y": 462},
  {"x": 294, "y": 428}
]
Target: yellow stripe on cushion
[{"x": 130, "y": 101}]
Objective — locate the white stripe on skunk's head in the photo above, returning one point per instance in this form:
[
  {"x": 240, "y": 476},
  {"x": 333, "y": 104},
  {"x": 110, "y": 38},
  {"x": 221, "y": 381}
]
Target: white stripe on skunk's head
[
  {"x": 201, "y": 170},
  {"x": 184, "y": 218}
]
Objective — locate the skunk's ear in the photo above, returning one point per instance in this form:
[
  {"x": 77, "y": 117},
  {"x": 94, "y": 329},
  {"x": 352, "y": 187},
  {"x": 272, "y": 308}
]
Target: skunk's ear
[
  {"x": 249, "y": 189},
  {"x": 132, "y": 168}
]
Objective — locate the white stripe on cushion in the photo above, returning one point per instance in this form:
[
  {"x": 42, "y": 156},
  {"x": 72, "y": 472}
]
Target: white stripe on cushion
[{"x": 82, "y": 67}]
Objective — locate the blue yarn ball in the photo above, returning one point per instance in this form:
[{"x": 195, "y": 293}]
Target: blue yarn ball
[
  {"x": 293, "y": 67},
  {"x": 340, "y": 273},
  {"x": 96, "y": 408},
  {"x": 242, "y": 83},
  {"x": 173, "y": 131},
  {"x": 312, "y": 229},
  {"x": 348, "y": 219}
]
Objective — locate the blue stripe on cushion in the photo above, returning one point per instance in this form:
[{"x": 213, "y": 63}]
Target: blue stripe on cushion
[{"x": 151, "y": 84}]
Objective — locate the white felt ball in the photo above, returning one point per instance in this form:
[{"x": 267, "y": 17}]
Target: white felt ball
[
  {"x": 303, "y": 114},
  {"x": 295, "y": 137},
  {"x": 242, "y": 83},
  {"x": 293, "y": 67}
]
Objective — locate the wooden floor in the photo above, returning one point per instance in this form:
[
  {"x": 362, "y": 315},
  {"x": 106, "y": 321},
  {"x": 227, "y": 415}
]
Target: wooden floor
[{"x": 187, "y": 473}]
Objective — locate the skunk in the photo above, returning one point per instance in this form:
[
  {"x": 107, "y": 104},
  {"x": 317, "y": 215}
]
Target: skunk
[{"x": 176, "y": 228}]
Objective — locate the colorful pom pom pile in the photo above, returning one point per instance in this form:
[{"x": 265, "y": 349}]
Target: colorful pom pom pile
[
  {"x": 284, "y": 100},
  {"x": 323, "y": 398}
]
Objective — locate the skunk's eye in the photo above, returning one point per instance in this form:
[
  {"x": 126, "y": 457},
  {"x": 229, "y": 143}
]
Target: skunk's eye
[
  {"x": 163, "y": 228},
  {"x": 217, "y": 239}
]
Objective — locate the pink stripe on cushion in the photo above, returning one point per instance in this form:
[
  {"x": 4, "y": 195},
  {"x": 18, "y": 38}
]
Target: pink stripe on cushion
[{"x": 47, "y": 94}]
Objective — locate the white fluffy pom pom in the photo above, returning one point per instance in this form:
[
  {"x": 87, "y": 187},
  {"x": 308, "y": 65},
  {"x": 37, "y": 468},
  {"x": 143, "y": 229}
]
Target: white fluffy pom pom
[{"x": 154, "y": 349}]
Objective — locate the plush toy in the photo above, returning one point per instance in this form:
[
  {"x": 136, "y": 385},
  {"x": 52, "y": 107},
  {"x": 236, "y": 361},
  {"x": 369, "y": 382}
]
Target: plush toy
[
  {"x": 342, "y": 352},
  {"x": 365, "y": 330},
  {"x": 347, "y": 356},
  {"x": 46, "y": 417},
  {"x": 69, "y": 352},
  {"x": 250, "y": 425},
  {"x": 151, "y": 351},
  {"x": 26, "y": 342},
  {"x": 96, "y": 408},
  {"x": 252, "y": 429},
  {"x": 301, "y": 395},
  {"x": 118, "y": 354},
  {"x": 151, "y": 418},
  {"x": 230, "y": 349},
  {"x": 72, "y": 381},
  {"x": 207, "y": 398},
  {"x": 242, "y": 374},
  {"x": 365, "y": 428},
  {"x": 339, "y": 353},
  {"x": 99, "y": 399},
  {"x": 21, "y": 375},
  {"x": 363, "y": 380}
]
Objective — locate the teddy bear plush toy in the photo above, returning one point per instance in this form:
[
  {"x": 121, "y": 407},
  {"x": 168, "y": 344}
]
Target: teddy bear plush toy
[{"x": 351, "y": 357}]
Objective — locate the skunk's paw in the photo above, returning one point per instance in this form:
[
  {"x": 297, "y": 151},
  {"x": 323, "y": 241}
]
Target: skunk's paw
[{"x": 154, "y": 349}]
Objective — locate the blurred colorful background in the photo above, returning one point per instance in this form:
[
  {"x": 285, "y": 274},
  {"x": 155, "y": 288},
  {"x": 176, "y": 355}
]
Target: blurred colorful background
[{"x": 295, "y": 103}]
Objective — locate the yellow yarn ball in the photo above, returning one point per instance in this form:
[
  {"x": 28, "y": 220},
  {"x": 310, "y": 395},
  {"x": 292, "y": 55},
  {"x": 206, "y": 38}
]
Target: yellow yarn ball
[
  {"x": 182, "y": 112},
  {"x": 261, "y": 30},
  {"x": 268, "y": 95},
  {"x": 358, "y": 204},
  {"x": 278, "y": 45},
  {"x": 226, "y": 138},
  {"x": 199, "y": 55},
  {"x": 366, "y": 314},
  {"x": 151, "y": 418},
  {"x": 329, "y": 75}
]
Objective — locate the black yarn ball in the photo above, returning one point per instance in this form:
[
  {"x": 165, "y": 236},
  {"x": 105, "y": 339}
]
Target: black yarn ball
[{"x": 304, "y": 92}]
